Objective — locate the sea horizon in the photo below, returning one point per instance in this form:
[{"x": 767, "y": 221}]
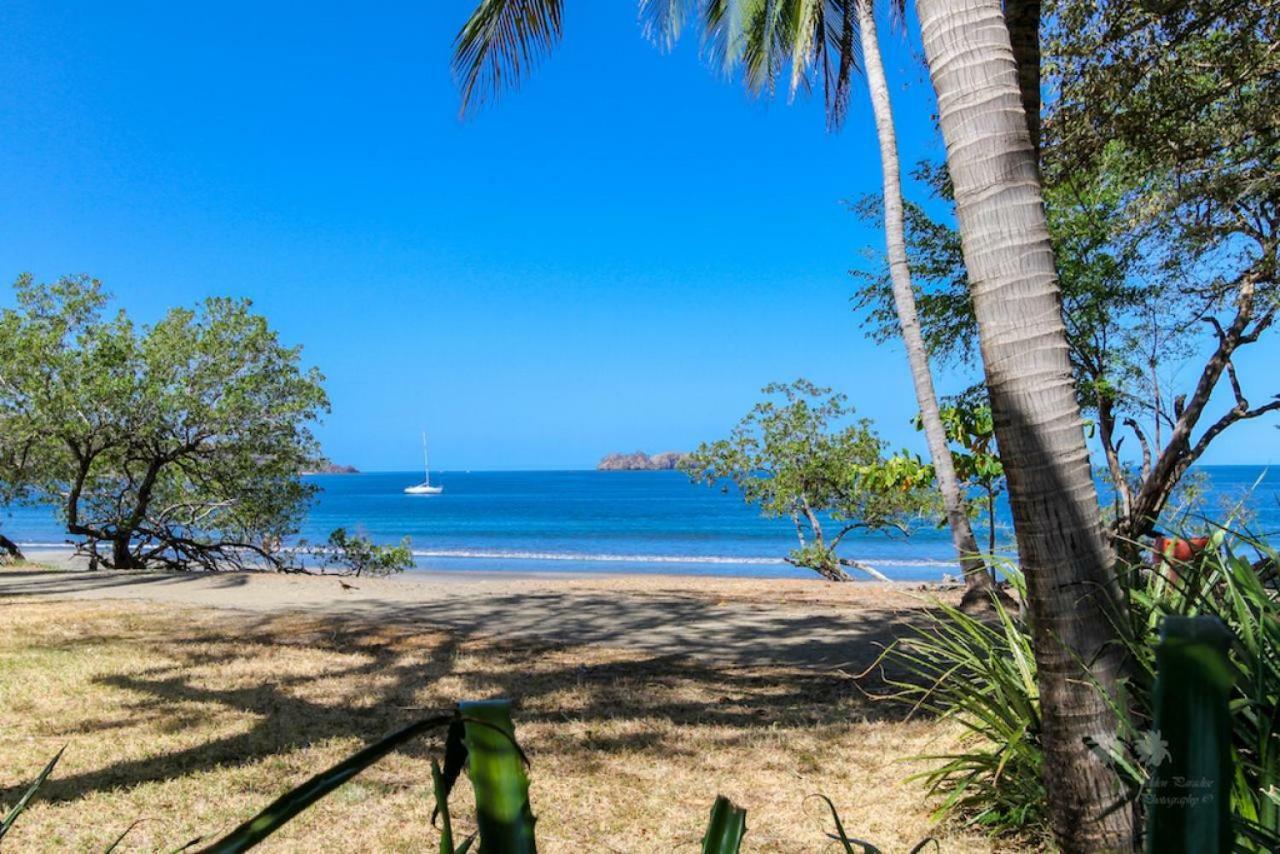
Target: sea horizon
[
  {"x": 641, "y": 522},
  {"x": 508, "y": 470}
]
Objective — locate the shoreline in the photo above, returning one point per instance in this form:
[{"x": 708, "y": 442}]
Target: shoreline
[
  {"x": 926, "y": 569},
  {"x": 66, "y": 561},
  {"x": 737, "y": 619}
]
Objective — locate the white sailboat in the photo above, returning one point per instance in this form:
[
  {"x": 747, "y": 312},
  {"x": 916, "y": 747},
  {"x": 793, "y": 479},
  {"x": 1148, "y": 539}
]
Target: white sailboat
[{"x": 424, "y": 488}]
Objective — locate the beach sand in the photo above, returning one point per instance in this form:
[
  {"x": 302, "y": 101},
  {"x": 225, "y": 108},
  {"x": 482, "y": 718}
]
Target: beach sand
[{"x": 773, "y": 621}]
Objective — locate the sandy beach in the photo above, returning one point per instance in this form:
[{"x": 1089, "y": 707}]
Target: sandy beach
[{"x": 765, "y": 621}]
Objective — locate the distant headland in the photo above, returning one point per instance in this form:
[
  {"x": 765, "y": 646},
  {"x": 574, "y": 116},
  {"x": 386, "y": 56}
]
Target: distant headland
[
  {"x": 640, "y": 461},
  {"x": 327, "y": 466}
]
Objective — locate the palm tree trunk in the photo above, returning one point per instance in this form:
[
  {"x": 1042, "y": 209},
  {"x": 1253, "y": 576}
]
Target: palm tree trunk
[
  {"x": 1075, "y": 600},
  {"x": 1023, "y": 17},
  {"x": 976, "y": 576}
]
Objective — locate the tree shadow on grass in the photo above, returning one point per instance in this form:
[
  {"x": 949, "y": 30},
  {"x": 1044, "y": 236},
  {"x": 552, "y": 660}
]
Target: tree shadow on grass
[{"x": 667, "y": 662}]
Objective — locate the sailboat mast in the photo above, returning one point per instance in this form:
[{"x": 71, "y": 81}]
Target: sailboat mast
[{"x": 426, "y": 463}]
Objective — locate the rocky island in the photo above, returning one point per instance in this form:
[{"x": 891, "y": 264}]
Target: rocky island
[
  {"x": 327, "y": 466},
  {"x": 640, "y": 461}
]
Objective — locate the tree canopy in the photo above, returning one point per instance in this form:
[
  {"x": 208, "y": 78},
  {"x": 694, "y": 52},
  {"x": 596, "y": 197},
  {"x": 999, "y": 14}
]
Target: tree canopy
[
  {"x": 799, "y": 454},
  {"x": 1162, "y": 186},
  {"x": 177, "y": 443}
]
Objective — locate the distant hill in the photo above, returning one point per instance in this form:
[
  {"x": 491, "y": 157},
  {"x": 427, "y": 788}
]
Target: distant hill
[
  {"x": 327, "y": 466},
  {"x": 640, "y": 461}
]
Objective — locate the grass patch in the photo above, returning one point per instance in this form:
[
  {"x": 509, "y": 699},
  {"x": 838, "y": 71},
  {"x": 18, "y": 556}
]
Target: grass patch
[{"x": 192, "y": 720}]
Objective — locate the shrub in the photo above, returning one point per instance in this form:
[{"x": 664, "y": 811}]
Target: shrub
[
  {"x": 981, "y": 673},
  {"x": 358, "y": 555}
]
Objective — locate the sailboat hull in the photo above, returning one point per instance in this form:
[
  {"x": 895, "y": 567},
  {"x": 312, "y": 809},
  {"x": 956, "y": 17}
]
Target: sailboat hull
[{"x": 423, "y": 489}]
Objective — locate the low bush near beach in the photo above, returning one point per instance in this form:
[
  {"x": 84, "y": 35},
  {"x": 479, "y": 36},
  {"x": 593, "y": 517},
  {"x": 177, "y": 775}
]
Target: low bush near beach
[
  {"x": 357, "y": 555},
  {"x": 980, "y": 672}
]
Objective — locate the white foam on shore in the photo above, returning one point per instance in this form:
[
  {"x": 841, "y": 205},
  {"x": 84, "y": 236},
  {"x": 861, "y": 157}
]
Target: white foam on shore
[
  {"x": 592, "y": 557},
  {"x": 643, "y": 558}
]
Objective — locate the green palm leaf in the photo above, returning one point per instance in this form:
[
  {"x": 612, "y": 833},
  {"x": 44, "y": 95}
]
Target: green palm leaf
[{"x": 500, "y": 43}]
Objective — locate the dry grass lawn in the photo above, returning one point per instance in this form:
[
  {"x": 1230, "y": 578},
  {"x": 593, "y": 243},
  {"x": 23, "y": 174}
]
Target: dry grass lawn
[{"x": 191, "y": 720}]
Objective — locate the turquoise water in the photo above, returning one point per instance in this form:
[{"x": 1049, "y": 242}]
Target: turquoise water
[{"x": 587, "y": 521}]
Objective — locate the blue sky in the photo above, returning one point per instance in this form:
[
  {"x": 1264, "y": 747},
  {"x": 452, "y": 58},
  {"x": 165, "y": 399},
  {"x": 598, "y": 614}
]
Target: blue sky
[{"x": 617, "y": 256}]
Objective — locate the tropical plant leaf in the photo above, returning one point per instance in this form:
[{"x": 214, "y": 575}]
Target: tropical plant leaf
[
  {"x": 725, "y": 830},
  {"x": 662, "y": 21},
  {"x": 284, "y": 808},
  {"x": 30, "y": 793},
  {"x": 1189, "y": 805},
  {"x": 500, "y": 43},
  {"x": 455, "y": 758},
  {"x": 497, "y": 769},
  {"x": 441, "y": 809},
  {"x": 840, "y": 836}
]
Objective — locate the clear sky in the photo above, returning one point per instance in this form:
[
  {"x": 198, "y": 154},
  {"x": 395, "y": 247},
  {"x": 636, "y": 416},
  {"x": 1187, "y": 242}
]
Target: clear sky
[{"x": 617, "y": 256}]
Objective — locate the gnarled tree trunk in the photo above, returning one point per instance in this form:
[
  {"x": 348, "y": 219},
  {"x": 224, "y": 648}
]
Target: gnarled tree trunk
[
  {"x": 9, "y": 548},
  {"x": 977, "y": 577},
  {"x": 1074, "y": 596}
]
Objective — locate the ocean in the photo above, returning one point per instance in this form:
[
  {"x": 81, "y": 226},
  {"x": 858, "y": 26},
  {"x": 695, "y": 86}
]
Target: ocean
[{"x": 620, "y": 522}]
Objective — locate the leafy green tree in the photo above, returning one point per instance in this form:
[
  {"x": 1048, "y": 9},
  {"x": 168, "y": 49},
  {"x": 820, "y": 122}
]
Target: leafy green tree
[
  {"x": 358, "y": 555},
  {"x": 1184, "y": 97},
  {"x": 790, "y": 456},
  {"x": 971, "y": 431},
  {"x": 176, "y": 444},
  {"x": 1160, "y": 164}
]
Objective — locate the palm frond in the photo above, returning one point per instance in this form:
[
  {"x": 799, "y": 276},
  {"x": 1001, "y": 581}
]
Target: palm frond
[
  {"x": 808, "y": 40},
  {"x": 766, "y": 38},
  {"x": 841, "y": 50},
  {"x": 662, "y": 21},
  {"x": 722, "y": 33},
  {"x": 501, "y": 42}
]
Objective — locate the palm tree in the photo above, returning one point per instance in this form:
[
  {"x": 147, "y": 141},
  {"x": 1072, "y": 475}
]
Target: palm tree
[
  {"x": 1023, "y": 19},
  {"x": 1074, "y": 597},
  {"x": 977, "y": 577},
  {"x": 503, "y": 38},
  {"x": 1073, "y": 591}
]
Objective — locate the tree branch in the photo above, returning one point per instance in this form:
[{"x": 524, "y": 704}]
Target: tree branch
[
  {"x": 1178, "y": 454},
  {"x": 1132, "y": 424},
  {"x": 869, "y": 570}
]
